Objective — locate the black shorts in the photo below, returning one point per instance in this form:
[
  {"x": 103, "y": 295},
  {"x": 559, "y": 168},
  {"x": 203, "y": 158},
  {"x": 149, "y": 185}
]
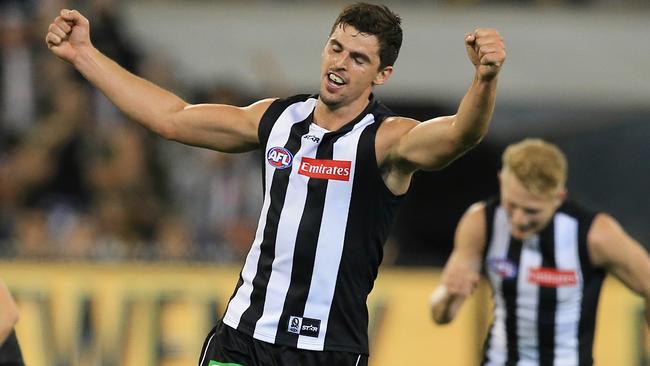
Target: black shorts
[
  {"x": 10, "y": 354},
  {"x": 225, "y": 346}
]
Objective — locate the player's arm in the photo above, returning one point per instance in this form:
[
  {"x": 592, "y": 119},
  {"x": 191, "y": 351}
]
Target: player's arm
[
  {"x": 612, "y": 248},
  {"x": 8, "y": 313},
  {"x": 219, "y": 127},
  {"x": 462, "y": 271},
  {"x": 435, "y": 143}
]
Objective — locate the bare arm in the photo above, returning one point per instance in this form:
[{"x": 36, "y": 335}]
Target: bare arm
[
  {"x": 435, "y": 143},
  {"x": 8, "y": 313},
  {"x": 612, "y": 248},
  {"x": 219, "y": 127},
  {"x": 461, "y": 273}
]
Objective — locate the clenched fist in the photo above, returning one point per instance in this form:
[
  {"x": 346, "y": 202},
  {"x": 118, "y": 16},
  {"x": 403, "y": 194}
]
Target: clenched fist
[
  {"x": 68, "y": 34},
  {"x": 487, "y": 52}
]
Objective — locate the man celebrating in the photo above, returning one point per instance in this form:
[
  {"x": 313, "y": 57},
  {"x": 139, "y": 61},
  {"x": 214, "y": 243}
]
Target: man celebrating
[
  {"x": 546, "y": 259},
  {"x": 335, "y": 167}
]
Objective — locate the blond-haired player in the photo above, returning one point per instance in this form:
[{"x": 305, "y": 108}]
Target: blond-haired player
[{"x": 545, "y": 258}]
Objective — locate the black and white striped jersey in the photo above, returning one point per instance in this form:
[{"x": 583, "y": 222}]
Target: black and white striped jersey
[
  {"x": 545, "y": 291},
  {"x": 319, "y": 240}
]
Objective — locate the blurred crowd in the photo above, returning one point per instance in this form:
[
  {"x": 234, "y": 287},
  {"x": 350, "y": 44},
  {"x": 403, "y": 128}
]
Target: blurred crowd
[{"x": 80, "y": 181}]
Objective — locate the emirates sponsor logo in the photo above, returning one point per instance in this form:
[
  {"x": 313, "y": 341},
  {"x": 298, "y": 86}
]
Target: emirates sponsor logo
[
  {"x": 325, "y": 169},
  {"x": 551, "y": 277}
]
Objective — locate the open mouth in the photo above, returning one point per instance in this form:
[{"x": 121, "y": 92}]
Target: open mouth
[{"x": 332, "y": 77}]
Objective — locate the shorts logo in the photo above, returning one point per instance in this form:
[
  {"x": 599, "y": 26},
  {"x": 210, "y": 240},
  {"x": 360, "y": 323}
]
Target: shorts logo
[
  {"x": 279, "y": 157},
  {"x": 304, "y": 326},
  {"x": 325, "y": 169},
  {"x": 502, "y": 267},
  {"x": 552, "y": 277}
]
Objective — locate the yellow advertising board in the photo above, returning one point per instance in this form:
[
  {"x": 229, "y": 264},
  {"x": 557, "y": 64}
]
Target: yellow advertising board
[{"x": 146, "y": 314}]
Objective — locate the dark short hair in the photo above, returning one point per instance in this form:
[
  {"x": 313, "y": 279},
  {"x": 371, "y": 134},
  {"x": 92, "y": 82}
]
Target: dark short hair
[{"x": 375, "y": 20}]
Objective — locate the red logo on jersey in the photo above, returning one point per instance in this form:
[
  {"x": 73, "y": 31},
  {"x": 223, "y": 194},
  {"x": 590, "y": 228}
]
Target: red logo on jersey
[
  {"x": 551, "y": 277},
  {"x": 325, "y": 169}
]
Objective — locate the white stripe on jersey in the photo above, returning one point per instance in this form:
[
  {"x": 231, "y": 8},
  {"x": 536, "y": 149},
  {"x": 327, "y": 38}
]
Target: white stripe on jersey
[
  {"x": 500, "y": 241},
  {"x": 292, "y": 211},
  {"x": 331, "y": 237},
  {"x": 279, "y": 136},
  {"x": 528, "y": 301},
  {"x": 569, "y": 299}
]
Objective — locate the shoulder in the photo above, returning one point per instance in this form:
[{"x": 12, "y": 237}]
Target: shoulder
[
  {"x": 474, "y": 216},
  {"x": 603, "y": 228},
  {"x": 579, "y": 211},
  {"x": 262, "y": 105},
  {"x": 275, "y": 106},
  {"x": 604, "y": 234},
  {"x": 256, "y": 110},
  {"x": 471, "y": 229},
  {"x": 389, "y": 133},
  {"x": 397, "y": 126},
  {"x": 477, "y": 209}
]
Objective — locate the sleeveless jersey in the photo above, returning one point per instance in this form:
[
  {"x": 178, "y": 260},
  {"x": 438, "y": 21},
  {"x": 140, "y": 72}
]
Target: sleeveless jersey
[
  {"x": 319, "y": 239},
  {"x": 545, "y": 291}
]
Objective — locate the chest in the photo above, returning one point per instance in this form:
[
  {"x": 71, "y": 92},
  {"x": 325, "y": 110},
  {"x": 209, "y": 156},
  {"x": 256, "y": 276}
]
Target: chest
[
  {"x": 313, "y": 153},
  {"x": 533, "y": 272}
]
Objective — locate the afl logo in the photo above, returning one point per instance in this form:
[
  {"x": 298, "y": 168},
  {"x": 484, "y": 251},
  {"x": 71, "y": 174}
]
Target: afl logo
[{"x": 279, "y": 157}]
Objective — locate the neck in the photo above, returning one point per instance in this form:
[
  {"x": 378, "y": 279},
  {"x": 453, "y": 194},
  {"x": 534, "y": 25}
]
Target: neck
[{"x": 334, "y": 117}]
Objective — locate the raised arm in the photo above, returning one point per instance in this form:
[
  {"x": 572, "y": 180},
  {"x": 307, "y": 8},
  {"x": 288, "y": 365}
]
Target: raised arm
[
  {"x": 462, "y": 271},
  {"x": 219, "y": 127},
  {"x": 435, "y": 143},
  {"x": 612, "y": 248}
]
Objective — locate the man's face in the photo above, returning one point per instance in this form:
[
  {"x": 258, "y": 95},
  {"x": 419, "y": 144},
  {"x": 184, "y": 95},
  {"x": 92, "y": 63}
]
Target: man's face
[
  {"x": 350, "y": 67},
  {"x": 528, "y": 213}
]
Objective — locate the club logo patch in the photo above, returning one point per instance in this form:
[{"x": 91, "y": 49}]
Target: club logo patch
[
  {"x": 552, "y": 277},
  {"x": 304, "y": 326},
  {"x": 502, "y": 267},
  {"x": 279, "y": 157}
]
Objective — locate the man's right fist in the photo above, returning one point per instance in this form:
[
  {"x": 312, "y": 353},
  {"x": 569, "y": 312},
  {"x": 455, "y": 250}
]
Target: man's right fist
[{"x": 68, "y": 34}]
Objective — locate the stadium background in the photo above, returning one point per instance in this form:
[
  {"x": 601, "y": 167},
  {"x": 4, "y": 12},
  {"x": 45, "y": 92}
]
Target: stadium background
[{"x": 122, "y": 248}]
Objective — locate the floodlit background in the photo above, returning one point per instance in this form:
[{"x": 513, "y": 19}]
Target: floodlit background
[{"x": 101, "y": 218}]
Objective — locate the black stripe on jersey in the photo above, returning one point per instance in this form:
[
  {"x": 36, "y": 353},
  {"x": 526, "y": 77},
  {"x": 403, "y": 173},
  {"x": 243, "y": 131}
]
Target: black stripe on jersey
[
  {"x": 547, "y": 304},
  {"x": 509, "y": 289},
  {"x": 267, "y": 248},
  {"x": 490, "y": 208},
  {"x": 264, "y": 128},
  {"x": 491, "y": 205},
  {"x": 348, "y": 319},
  {"x": 272, "y": 114},
  {"x": 592, "y": 282},
  {"x": 267, "y": 122},
  {"x": 486, "y": 345}
]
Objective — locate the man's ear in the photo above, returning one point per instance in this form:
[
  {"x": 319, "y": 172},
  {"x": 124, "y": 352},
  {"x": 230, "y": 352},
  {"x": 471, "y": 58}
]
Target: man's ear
[
  {"x": 561, "y": 196},
  {"x": 383, "y": 75}
]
